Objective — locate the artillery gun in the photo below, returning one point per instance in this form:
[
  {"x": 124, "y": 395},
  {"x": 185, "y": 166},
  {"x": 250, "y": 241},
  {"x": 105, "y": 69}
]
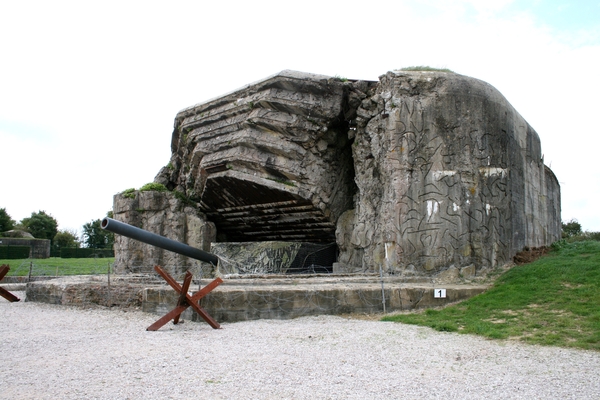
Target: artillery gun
[
  {"x": 153, "y": 239},
  {"x": 185, "y": 299}
]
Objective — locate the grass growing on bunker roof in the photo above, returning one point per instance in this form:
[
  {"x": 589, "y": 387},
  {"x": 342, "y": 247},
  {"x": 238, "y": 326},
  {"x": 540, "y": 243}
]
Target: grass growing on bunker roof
[
  {"x": 425, "y": 68},
  {"x": 552, "y": 301}
]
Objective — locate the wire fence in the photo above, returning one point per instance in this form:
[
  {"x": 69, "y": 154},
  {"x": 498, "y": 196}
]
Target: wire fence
[
  {"x": 36, "y": 269},
  {"x": 306, "y": 289},
  {"x": 240, "y": 297}
]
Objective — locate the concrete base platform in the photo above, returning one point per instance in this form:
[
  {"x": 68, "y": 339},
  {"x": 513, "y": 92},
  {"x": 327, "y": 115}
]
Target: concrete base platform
[{"x": 272, "y": 297}]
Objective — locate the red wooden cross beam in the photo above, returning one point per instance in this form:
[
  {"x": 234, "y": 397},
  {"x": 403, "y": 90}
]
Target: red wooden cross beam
[
  {"x": 3, "y": 292},
  {"x": 185, "y": 300}
]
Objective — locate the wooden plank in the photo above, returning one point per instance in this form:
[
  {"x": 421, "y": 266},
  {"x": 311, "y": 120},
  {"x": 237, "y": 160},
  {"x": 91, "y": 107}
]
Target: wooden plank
[
  {"x": 185, "y": 300},
  {"x": 165, "y": 275},
  {"x": 182, "y": 302},
  {"x": 3, "y": 292},
  {"x": 3, "y": 271},
  {"x": 166, "y": 318},
  {"x": 205, "y": 316},
  {"x": 205, "y": 290},
  {"x": 8, "y": 295}
]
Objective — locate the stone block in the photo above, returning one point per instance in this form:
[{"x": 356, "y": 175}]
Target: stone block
[{"x": 167, "y": 215}]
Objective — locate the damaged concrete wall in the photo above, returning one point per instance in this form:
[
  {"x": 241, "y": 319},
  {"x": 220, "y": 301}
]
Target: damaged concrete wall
[
  {"x": 166, "y": 215},
  {"x": 270, "y": 161},
  {"x": 420, "y": 173},
  {"x": 449, "y": 176}
]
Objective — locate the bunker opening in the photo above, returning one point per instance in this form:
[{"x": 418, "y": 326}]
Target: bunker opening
[{"x": 262, "y": 211}]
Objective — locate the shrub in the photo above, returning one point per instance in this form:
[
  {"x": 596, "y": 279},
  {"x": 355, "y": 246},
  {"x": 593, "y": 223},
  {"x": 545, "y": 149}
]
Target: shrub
[
  {"x": 571, "y": 228},
  {"x": 157, "y": 187},
  {"x": 593, "y": 236},
  {"x": 128, "y": 193},
  {"x": 182, "y": 197},
  {"x": 14, "y": 252}
]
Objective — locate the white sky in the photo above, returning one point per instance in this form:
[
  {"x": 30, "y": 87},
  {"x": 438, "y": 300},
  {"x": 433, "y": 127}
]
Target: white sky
[{"x": 89, "y": 90}]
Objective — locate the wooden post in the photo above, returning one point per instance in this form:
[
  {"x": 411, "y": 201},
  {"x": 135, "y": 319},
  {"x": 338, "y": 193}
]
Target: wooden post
[{"x": 109, "y": 301}]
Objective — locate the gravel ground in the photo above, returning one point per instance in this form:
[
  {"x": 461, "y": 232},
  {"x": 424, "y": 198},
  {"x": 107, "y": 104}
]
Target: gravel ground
[{"x": 59, "y": 352}]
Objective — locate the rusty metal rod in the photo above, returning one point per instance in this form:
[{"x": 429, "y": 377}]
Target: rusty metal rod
[{"x": 153, "y": 239}]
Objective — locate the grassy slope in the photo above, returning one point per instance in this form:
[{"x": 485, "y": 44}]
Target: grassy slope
[{"x": 553, "y": 301}]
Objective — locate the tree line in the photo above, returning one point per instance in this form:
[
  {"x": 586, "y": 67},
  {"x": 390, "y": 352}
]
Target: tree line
[{"x": 42, "y": 225}]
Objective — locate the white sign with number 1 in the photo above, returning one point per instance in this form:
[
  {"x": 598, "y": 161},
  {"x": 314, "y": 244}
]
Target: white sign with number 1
[{"x": 439, "y": 293}]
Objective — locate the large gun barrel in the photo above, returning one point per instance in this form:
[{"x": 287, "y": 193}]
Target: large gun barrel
[{"x": 153, "y": 239}]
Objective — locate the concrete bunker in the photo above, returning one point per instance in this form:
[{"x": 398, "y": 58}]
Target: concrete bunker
[{"x": 418, "y": 174}]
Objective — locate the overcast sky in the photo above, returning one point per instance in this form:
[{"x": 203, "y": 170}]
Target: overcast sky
[{"x": 89, "y": 90}]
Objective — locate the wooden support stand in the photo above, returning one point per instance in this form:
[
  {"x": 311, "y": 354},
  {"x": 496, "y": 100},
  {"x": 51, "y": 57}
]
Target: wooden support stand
[
  {"x": 3, "y": 292},
  {"x": 185, "y": 300}
]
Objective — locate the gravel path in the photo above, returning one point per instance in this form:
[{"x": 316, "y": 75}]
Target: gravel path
[{"x": 58, "y": 352}]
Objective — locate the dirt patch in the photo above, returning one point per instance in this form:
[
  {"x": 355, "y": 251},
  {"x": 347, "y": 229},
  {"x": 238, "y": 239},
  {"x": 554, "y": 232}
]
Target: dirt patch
[{"x": 528, "y": 255}]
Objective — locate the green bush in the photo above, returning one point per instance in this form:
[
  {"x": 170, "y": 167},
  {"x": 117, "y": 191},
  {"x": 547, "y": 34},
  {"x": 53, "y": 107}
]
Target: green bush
[
  {"x": 182, "y": 197},
  {"x": 581, "y": 237},
  {"x": 570, "y": 229},
  {"x": 158, "y": 187},
  {"x": 593, "y": 236},
  {"x": 128, "y": 193},
  {"x": 14, "y": 252}
]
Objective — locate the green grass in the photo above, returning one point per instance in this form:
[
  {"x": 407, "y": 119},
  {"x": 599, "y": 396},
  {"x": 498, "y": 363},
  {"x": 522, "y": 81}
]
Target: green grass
[
  {"x": 152, "y": 186},
  {"x": 425, "y": 68},
  {"x": 552, "y": 301},
  {"x": 56, "y": 266}
]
